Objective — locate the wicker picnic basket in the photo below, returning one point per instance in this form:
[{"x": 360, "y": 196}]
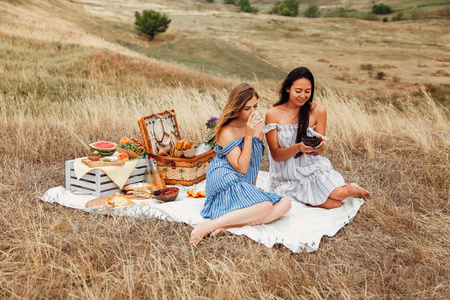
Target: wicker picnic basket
[{"x": 160, "y": 133}]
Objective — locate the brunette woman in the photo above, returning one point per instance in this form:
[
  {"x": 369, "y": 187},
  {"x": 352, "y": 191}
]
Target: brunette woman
[
  {"x": 232, "y": 199},
  {"x": 297, "y": 171}
]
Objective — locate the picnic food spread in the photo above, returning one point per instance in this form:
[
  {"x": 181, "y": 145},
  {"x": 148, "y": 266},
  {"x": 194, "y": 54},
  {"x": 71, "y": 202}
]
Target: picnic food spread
[
  {"x": 105, "y": 153},
  {"x": 184, "y": 149},
  {"x": 103, "y": 148},
  {"x": 161, "y": 157},
  {"x": 143, "y": 190}
]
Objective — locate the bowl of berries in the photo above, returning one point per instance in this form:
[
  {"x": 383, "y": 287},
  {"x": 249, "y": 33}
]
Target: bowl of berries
[
  {"x": 167, "y": 194},
  {"x": 311, "y": 141}
]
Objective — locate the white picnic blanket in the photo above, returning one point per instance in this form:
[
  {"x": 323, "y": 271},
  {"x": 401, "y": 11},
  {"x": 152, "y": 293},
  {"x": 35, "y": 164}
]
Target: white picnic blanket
[{"x": 300, "y": 229}]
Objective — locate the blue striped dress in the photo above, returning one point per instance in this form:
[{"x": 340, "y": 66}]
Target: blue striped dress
[{"x": 228, "y": 190}]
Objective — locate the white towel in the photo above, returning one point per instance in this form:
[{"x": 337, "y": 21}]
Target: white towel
[{"x": 300, "y": 229}]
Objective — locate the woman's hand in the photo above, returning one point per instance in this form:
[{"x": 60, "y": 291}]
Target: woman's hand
[
  {"x": 252, "y": 125},
  {"x": 310, "y": 150}
]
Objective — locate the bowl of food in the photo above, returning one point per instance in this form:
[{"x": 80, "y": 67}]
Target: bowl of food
[
  {"x": 167, "y": 194},
  {"x": 311, "y": 141}
]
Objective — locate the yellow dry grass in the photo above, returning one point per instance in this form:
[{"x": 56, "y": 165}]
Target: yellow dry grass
[{"x": 59, "y": 94}]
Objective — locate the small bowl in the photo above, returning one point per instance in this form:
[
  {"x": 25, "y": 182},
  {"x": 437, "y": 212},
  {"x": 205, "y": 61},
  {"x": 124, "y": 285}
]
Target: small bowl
[
  {"x": 170, "y": 197},
  {"x": 311, "y": 141}
]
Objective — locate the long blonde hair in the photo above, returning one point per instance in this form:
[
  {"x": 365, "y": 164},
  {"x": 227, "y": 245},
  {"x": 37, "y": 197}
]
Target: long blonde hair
[{"x": 239, "y": 96}]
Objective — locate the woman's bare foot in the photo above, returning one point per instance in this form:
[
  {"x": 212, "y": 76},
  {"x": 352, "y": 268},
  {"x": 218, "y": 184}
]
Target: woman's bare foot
[
  {"x": 359, "y": 191},
  {"x": 199, "y": 232}
]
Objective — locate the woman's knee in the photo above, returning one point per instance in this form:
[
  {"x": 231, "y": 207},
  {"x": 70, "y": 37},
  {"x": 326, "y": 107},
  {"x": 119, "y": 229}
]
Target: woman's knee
[
  {"x": 285, "y": 204},
  {"x": 265, "y": 207}
]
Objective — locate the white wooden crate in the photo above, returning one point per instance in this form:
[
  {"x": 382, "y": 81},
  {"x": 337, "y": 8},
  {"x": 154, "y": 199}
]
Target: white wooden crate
[{"x": 97, "y": 183}]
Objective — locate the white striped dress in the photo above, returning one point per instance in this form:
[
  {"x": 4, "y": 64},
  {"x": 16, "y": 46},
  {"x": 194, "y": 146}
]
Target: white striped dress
[
  {"x": 226, "y": 189},
  {"x": 307, "y": 179}
]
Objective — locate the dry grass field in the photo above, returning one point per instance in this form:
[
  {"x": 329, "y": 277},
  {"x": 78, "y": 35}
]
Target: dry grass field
[{"x": 76, "y": 72}]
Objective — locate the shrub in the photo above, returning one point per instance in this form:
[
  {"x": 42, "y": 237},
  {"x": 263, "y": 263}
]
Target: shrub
[
  {"x": 380, "y": 75},
  {"x": 151, "y": 22},
  {"x": 340, "y": 13},
  {"x": 381, "y": 9},
  {"x": 415, "y": 13},
  {"x": 385, "y": 19},
  {"x": 312, "y": 11},
  {"x": 233, "y": 2},
  {"x": 399, "y": 17},
  {"x": 287, "y": 8},
  {"x": 210, "y": 1},
  {"x": 366, "y": 67},
  {"x": 367, "y": 16},
  {"x": 246, "y": 7}
]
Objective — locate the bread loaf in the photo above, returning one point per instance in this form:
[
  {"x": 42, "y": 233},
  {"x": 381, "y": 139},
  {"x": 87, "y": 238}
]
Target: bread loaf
[
  {"x": 186, "y": 146},
  {"x": 118, "y": 200},
  {"x": 179, "y": 145}
]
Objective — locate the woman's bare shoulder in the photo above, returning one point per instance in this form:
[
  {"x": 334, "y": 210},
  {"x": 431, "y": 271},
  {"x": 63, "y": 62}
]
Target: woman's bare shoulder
[
  {"x": 273, "y": 115},
  {"x": 225, "y": 135},
  {"x": 318, "y": 109}
]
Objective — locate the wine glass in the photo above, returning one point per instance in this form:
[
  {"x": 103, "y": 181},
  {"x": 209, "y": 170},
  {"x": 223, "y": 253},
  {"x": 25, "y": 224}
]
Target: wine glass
[{"x": 258, "y": 116}]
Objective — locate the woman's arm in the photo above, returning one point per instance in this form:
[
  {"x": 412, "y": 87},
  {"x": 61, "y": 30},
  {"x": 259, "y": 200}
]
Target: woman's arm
[
  {"x": 319, "y": 114},
  {"x": 278, "y": 153},
  {"x": 240, "y": 160}
]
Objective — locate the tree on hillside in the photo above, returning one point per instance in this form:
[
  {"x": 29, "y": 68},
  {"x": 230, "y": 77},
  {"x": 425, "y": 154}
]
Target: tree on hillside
[
  {"x": 381, "y": 9},
  {"x": 312, "y": 11},
  {"x": 287, "y": 8},
  {"x": 246, "y": 6},
  {"x": 151, "y": 22},
  {"x": 233, "y": 2}
]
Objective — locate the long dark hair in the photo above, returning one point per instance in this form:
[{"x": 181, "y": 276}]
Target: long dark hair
[{"x": 305, "y": 110}]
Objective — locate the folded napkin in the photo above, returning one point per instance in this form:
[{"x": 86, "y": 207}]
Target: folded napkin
[{"x": 118, "y": 174}]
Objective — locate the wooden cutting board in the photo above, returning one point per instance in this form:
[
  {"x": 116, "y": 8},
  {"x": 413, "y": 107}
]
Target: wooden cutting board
[
  {"x": 94, "y": 164},
  {"x": 97, "y": 202},
  {"x": 101, "y": 202}
]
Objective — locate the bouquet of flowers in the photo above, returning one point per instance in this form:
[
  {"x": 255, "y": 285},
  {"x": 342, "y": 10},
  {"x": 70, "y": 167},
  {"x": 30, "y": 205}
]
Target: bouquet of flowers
[{"x": 210, "y": 126}]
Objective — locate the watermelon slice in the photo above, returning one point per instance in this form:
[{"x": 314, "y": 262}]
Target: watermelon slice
[{"x": 103, "y": 148}]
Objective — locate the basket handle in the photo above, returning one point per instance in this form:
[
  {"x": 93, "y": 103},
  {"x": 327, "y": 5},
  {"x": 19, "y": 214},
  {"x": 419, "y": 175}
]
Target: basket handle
[
  {"x": 160, "y": 158},
  {"x": 162, "y": 121}
]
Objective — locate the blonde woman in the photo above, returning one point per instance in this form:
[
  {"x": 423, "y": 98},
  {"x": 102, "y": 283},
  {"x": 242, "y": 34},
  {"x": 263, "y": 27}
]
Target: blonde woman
[{"x": 232, "y": 199}]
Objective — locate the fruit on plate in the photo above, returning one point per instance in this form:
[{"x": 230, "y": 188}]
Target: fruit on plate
[
  {"x": 124, "y": 140},
  {"x": 167, "y": 194},
  {"x": 124, "y": 156},
  {"x": 132, "y": 144},
  {"x": 103, "y": 148},
  {"x": 192, "y": 193}
]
